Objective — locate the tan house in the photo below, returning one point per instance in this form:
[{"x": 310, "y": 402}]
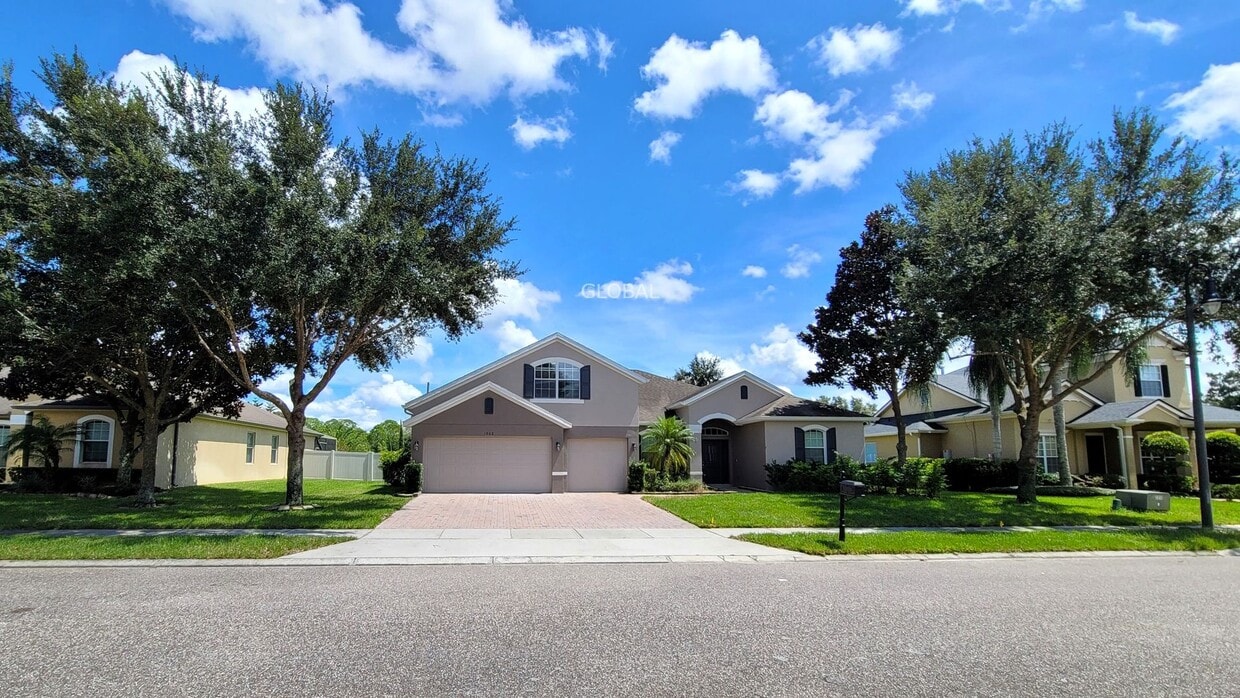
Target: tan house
[
  {"x": 208, "y": 449},
  {"x": 1106, "y": 420},
  {"x": 557, "y": 416}
]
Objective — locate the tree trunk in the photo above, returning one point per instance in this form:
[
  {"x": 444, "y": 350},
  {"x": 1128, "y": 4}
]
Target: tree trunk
[
  {"x": 150, "y": 451},
  {"x": 996, "y": 431},
  {"x": 124, "y": 472},
  {"x": 1027, "y": 464},
  {"x": 901, "y": 437},
  {"x": 1061, "y": 445},
  {"x": 296, "y": 431}
]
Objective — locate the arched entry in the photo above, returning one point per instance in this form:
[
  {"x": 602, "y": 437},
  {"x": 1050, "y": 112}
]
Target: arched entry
[{"x": 717, "y": 452}]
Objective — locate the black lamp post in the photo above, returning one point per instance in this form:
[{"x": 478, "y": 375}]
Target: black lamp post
[{"x": 1208, "y": 307}]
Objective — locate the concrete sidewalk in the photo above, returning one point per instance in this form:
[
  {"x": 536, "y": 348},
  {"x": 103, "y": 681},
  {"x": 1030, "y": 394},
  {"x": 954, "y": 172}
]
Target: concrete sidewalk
[{"x": 486, "y": 546}]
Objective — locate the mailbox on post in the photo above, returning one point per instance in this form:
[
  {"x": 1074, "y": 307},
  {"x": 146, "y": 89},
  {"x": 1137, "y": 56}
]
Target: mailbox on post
[{"x": 849, "y": 489}]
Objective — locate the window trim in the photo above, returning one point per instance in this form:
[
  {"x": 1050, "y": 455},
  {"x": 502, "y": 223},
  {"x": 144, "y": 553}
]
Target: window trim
[
  {"x": 823, "y": 433},
  {"x": 557, "y": 360},
  {"x": 1157, "y": 368},
  {"x": 1045, "y": 457},
  {"x": 275, "y": 449},
  {"x": 251, "y": 441},
  {"x": 77, "y": 449}
]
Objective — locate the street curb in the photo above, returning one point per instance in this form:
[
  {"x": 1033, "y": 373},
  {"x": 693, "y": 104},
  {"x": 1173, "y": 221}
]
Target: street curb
[{"x": 600, "y": 560}]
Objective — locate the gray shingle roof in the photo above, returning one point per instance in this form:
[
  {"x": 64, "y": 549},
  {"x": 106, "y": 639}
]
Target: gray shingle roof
[
  {"x": 876, "y": 430},
  {"x": 792, "y": 406},
  {"x": 1113, "y": 412},
  {"x": 657, "y": 393}
]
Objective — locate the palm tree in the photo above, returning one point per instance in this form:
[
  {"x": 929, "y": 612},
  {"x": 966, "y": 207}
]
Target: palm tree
[
  {"x": 42, "y": 440},
  {"x": 668, "y": 445}
]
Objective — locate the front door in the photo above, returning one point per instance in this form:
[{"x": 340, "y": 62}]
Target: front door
[
  {"x": 1096, "y": 453},
  {"x": 715, "y": 461}
]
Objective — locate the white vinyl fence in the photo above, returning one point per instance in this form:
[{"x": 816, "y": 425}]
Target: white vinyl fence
[{"x": 341, "y": 465}]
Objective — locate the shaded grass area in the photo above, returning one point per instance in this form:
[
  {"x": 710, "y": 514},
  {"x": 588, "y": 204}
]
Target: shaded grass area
[
  {"x": 338, "y": 504},
  {"x": 918, "y": 542},
  {"x": 32, "y": 546},
  {"x": 796, "y": 510}
]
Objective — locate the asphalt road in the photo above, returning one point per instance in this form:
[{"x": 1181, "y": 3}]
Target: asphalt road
[{"x": 1079, "y": 627}]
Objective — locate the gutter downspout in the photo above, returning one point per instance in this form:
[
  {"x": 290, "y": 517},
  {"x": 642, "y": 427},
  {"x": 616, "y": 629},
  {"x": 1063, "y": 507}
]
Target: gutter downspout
[{"x": 176, "y": 439}]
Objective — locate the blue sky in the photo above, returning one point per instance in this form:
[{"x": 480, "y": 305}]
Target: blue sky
[{"x": 703, "y": 161}]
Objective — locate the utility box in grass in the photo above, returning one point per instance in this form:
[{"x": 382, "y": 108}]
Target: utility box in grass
[{"x": 1144, "y": 500}]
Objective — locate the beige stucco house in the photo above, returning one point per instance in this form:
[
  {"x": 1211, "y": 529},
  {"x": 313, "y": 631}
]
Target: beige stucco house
[
  {"x": 208, "y": 449},
  {"x": 1106, "y": 420},
  {"x": 558, "y": 416}
]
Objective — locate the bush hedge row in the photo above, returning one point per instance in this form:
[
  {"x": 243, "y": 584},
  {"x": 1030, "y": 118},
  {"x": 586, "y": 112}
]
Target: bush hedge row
[
  {"x": 89, "y": 480},
  {"x": 644, "y": 477},
  {"x": 918, "y": 475}
]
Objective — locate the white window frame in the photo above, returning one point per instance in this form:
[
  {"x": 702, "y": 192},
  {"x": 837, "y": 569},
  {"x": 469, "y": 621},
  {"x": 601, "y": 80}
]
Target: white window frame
[
  {"x": 1049, "y": 458},
  {"x": 871, "y": 452},
  {"x": 77, "y": 450},
  {"x": 1158, "y": 377},
  {"x": 560, "y": 364},
  {"x": 822, "y": 433},
  {"x": 275, "y": 448},
  {"x": 251, "y": 440}
]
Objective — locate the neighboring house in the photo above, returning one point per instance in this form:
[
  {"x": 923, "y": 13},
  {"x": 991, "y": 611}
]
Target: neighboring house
[
  {"x": 1106, "y": 420},
  {"x": 209, "y": 448},
  {"x": 557, "y": 416}
]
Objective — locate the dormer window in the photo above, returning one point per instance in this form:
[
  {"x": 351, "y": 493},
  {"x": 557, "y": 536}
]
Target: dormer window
[
  {"x": 1152, "y": 381},
  {"x": 557, "y": 380},
  {"x": 744, "y": 392}
]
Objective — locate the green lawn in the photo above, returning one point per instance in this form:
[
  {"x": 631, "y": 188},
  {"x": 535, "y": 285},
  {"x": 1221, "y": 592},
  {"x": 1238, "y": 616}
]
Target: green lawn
[
  {"x": 338, "y": 504},
  {"x": 921, "y": 542},
  {"x": 788, "y": 510},
  {"x": 32, "y": 546}
]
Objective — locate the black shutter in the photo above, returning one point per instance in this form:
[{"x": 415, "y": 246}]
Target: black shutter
[
  {"x": 831, "y": 445},
  {"x": 1136, "y": 384},
  {"x": 585, "y": 382},
  {"x": 798, "y": 441},
  {"x": 1166, "y": 381},
  {"x": 527, "y": 390}
]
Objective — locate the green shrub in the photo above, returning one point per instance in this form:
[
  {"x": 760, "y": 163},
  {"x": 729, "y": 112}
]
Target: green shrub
[
  {"x": 978, "y": 474},
  {"x": 936, "y": 479},
  {"x": 684, "y": 485},
  {"x": 1225, "y": 491},
  {"x": 413, "y": 477},
  {"x": 637, "y": 476},
  {"x": 1223, "y": 448},
  {"x": 1059, "y": 491},
  {"x": 1109, "y": 481},
  {"x": 1166, "y": 463},
  {"x": 393, "y": 467}
]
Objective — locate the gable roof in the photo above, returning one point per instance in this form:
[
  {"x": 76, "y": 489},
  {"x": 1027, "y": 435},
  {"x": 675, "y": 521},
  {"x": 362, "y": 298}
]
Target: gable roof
[
  {"x": 249, "y": 414},
  {"x": 793, "y": 407},
  {"x": 657, "y": 393},
  {"x": 878, "y": 430},
  {"x": 480, "y": 389},
  {"x": 721, "y": 384},
  {"x": 521, "y": 354},
  {"x": 1113, "y": 412}
]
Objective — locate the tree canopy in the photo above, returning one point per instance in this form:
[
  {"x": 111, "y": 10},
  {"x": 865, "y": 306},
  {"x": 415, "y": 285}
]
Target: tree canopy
[
  {"x": 702, "y": 371},
  {"x": 1224, "y": 389},
  {"x": 1054, "y": 261}
]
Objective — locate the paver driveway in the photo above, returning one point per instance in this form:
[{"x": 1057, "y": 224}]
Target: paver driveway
[{"x": 570, "y": 510}]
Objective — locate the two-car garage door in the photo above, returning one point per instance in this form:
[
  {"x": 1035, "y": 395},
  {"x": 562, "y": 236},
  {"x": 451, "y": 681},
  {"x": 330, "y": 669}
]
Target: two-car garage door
[
  {"x": 487, "y": 464},
  {"x": 521, "y": 464}
]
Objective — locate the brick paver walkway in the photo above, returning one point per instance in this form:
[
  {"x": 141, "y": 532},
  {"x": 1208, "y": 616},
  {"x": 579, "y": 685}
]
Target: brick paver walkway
[{"x": 570, "y": 510}]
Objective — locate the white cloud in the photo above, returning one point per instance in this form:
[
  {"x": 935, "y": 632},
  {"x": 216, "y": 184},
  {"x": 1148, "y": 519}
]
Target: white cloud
[
  {"x": 604, "y": 49},
  {"x": 467, "y": 51},
  {"x": 665, "y": 283},
  {"x": 512, "y": 336},
  {"x": 689, "y": 72},
  {"x": 754, "y": 271},
  {"x": 1212, "y": 106},
  {"x": 529, "y": 134},
  {"x": 422, "y": 352},
  {"x": 833, "y": 151},
  {"x": 766, "y": 292},
  {"x": 1164, "y": 30},
  {"x": 370, "y": 402},
  {"x": 942, "y": 7},
  {"x": 799, "y": 262},
  {"x": 1042, "y": 8},
  {"x": 756, "y": 183},
  {"x": 908, "y": 97},
  {"x": 661, "y": 147},
  {"x": 729, "y": 367},
  {"x": 137, "y": 69},
  {"x": 782, "y": 349},
  {"x": 520, "y": 299},
  {"x": 856, "y": 50}
]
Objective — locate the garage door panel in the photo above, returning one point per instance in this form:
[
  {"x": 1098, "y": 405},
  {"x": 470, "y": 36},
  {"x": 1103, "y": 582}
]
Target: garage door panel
[
  {"x": 486, "y": 465},
  {"x": 597, "y": 465}
]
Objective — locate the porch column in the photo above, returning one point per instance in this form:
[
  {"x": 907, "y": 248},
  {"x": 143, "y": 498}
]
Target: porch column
[
  {"x": 1128, "y": 449},
  {"x": 695, "y": 464}
]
